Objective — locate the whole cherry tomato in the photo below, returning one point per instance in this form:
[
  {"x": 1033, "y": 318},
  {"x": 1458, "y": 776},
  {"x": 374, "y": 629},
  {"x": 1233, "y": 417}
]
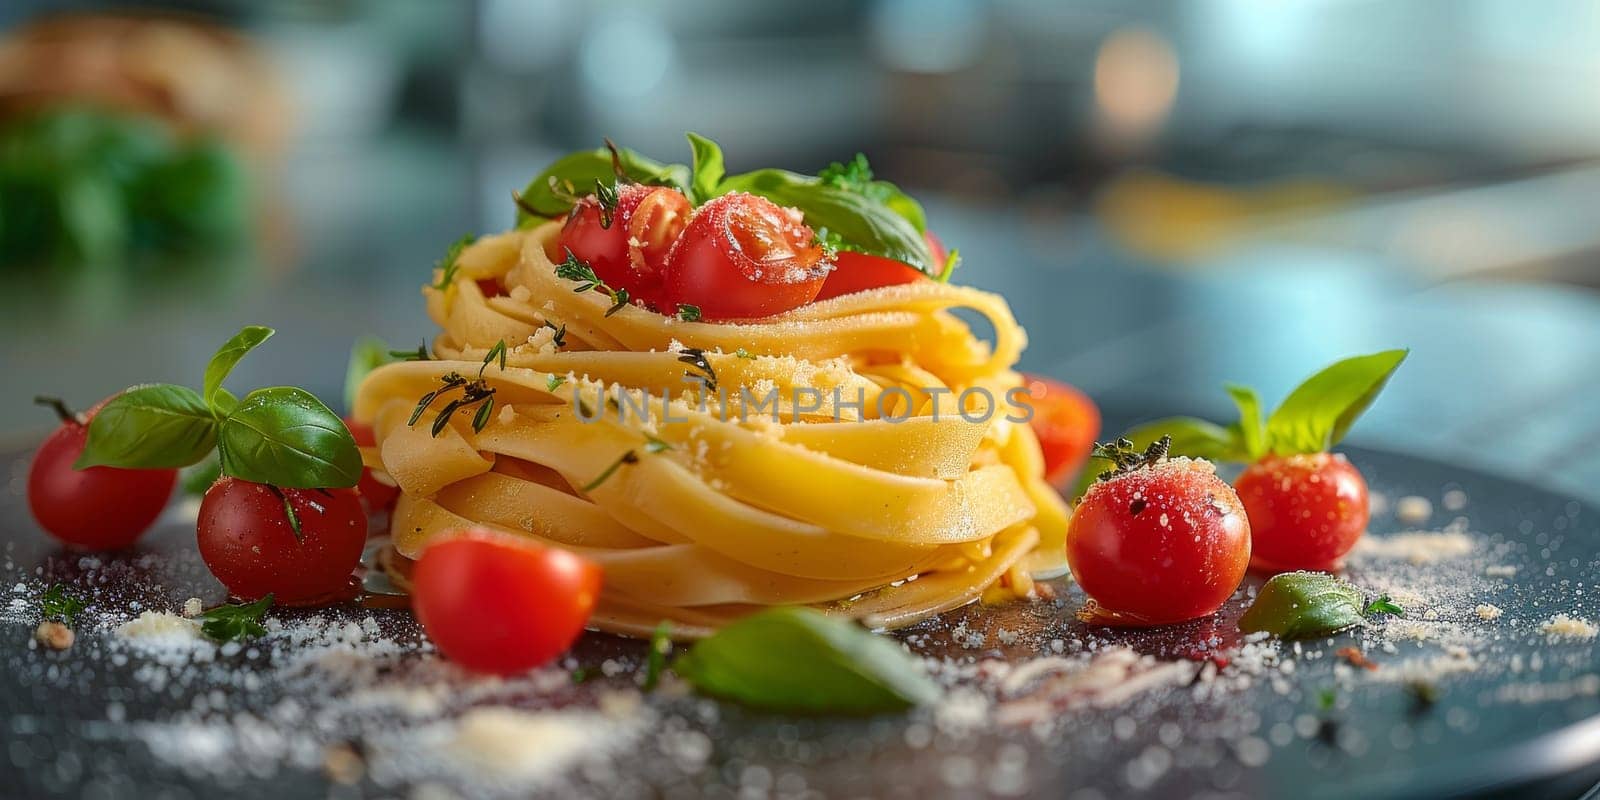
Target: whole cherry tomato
[
  {"x": 1162, "y": 542},
  {"x": 99, "y": 508},
  {"x": 300, "y": 545},
  {"x": 497, "y": 603},
  {"x": 744, "y": 257},
  {"x": 1306, "y": 511}
]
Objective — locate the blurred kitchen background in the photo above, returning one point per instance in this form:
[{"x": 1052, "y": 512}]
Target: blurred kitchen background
[{"x": 1170, "y": 194}]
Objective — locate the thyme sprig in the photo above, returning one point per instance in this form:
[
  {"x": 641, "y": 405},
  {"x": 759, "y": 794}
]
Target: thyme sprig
[
  {"x": 498, "y": 352},
  {"x": 56, "y": 603},
  {"x": 473, "y": 392},
  {"x": 288, "y": 511},
  {"x": 575, "y": 269},
  {"x": 695, "y": 357},
  {"x": 448, "y": 265},
  {"x": 419, "y": 354},
  {"x": 652, "y": 445},
  {"x": 1126, "y": 458},
  {"x": 560, "y": 337}
]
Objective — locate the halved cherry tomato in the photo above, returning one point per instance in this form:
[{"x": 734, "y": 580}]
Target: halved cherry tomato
[
  {"x": 629, "y": 252},
  {"x": 248, "y": 542},
  {"x": 99, "y": 508},
  {"x": 744, "y": 257},
  {"x": 497, "y": 603},
  {"x": 1066, "y": 422},
  {"x": 1162, "y": 543},
  {"x": 1306, "y": 511},
  {"x": 377, "y": 495},
  {"x": 858, "y": 272}
]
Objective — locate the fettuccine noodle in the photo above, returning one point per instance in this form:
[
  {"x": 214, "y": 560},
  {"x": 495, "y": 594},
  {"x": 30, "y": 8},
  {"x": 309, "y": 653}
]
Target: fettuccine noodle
[{"x": 878, "y": 510}]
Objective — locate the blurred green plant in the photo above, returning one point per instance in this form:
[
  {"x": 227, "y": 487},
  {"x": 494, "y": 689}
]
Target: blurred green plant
[{"x": 96, "y": 187}]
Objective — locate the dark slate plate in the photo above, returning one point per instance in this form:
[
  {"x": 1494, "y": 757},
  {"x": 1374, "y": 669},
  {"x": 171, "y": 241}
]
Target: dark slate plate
[{"x": 1524, "y": 717}]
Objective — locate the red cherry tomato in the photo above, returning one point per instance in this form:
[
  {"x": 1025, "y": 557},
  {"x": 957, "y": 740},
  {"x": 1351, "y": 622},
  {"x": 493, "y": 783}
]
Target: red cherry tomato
[
  {"x": 99, "y": 508},
  {"x": 1066, "y": 422},
  {"x": 378, "y": 496},
  {"x": 1163, "y": 543},
  {"x": 247, "y": 541},
  {"x": 496, "y": 603},
  {"x": 858, "y": 272},
  {"x": 631, "y": 252},
  {"x": 1306, "y": 511},
  {"x": 744, "y": 257}
]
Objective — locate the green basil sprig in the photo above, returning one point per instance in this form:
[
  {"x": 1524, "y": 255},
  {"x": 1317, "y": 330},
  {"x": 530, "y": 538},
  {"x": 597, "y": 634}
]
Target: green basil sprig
[
  {"x": 799, "y": 660},
  {"x": 1302, "y": 605},
  {"x": 281, "y": 436},
  {"x": 864, "y": 215},
  {"x": 1312, "y": 419}
]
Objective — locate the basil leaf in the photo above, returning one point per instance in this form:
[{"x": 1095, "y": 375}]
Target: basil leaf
[
  {"x": 284, "y": 436},
  {"x": 583, "y": 168},
  {"x": 1192, "y": 437},
  {"x": 227, "y": 358},
  {"x": 800, "y": 660},
  {"x": 158, "y": 426},
  {"x": 1318, "y": 413},
  {"x": 1299, "y": 605},
  {"x": 1251, "y": 434},
  {"x": 866, "y": 224},
  {"x": 366, "y": 355},
  {"x": 707, "y": 171}
]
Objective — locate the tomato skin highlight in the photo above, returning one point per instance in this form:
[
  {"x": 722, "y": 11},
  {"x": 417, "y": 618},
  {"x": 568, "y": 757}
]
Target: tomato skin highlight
[
  {"x": 247, "y": 542},
  {"x": 1066, "y": 422},
  {"x": 99, "y": 508},
  {"x": 745, "y": 257},
  {"x": 1161, "y": 544},
  {"x": 1306, "y": 511},
  {"x": 495, "y": 603},
  {"x": 630, "y": 253},
  {"x": 858, "y": 272},
  {"x": 377, "y": 495}
]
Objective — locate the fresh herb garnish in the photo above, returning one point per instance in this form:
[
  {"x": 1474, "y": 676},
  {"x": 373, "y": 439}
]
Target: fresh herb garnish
[
  {"x": 447, "y": 266},
  {"x": 688, "y": 313},
  {"x": 1384, "y": 605},
  {"x": 629, "y": 457},
  {"x": 282, "y": 436},
  {"x": 56, "y": 603},
  {"x": 793, "y": 659},
  {"x": 606, "y": 195},
  {"x": 1313, "y": 418},
  {"x": 476, "y": 392},
  {"x": 290, "y": 513},
  {"x": 419, "y": 354},
  {"x": 554, "y": 382},
  {"x": 581, "y": 674},
  {"x": 226, "y": 623},
  {"x": 743, "y": 353},
  {"x": 496, "y": 353},
  {"x": 1301, "y": 605},
  {"x": 559, "y": 338},
  {"x": 695, "y": 357},
  {"x": 1125, "y": 458},
  {"x": 575, "y": 269},
  {"x": 652, "y": 445},
  {"x": 859, "y": 212},
  {"x": 656, "y": 659}
]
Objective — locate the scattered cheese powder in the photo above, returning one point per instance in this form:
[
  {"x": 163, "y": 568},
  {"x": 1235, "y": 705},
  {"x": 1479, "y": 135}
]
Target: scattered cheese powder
[
  {"x": 160, "y": 627},
  {"x": 1488, "y": 612},
  {"x": 1562, "y": 626}
]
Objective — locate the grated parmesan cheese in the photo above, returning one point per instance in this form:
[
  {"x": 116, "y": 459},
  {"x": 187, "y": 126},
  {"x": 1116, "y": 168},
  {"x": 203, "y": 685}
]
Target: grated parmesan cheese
[{"x": 1562, "y": 626}]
